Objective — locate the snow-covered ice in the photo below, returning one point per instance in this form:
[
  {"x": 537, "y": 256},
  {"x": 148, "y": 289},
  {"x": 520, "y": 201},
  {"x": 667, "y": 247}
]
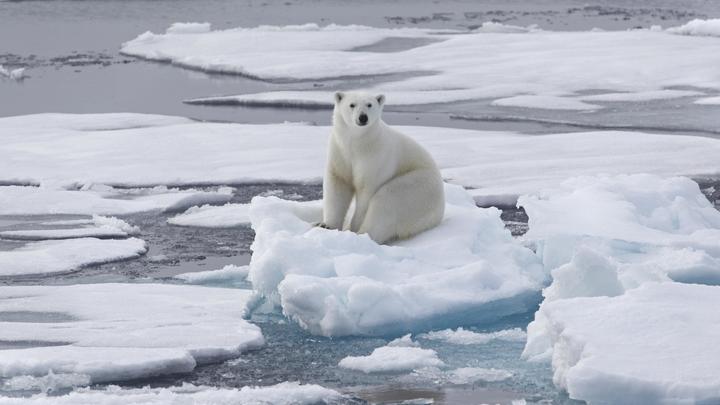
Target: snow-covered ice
[
  {"x": 227, "y": 275},
  {"x": 641, "y": 95},
  {"x": 100, "y": 227},
  {"x": 399, "y": 355},
  {"x": 654, "y": 344},
  {"x": 708, "y": 101},
  {"x": 66, "y": 255},
  {"x": 209, "y": 216},
  {"x": 698, "y": 27},
  {"x": 286, "y": 393},
  {"x": 336, "y": 283},
  {"x": 91, "y": 330},
  {"x": 494, "y": 61},
  {"x": 14, "y": 74},
  {"x": 146, "y": 150},
  {"x": 27, "y": 200},
  {"x": 546, "y": 102},
  {"x": 462, "y": 336}
]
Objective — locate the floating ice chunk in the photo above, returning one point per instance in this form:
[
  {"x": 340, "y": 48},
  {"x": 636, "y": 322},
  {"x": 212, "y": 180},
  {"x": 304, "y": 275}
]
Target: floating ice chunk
[
  {"x": 708, "y": 101},
  {"x": 45, "y": 384},
  {"x": 698, "y": 27},
  {"x": 106, "y": 339},
  {"x": 490, "y": 62},
  {"x": 462, "y": 336},
  {"x": 225, "y": 216},
  {"x": 642, "y": 95},
  {"x": 340, "y": 283},
  {"x": 188, "y": 28},
  {"x": 104, "y": 227},
  {"x": 546, "y": 102},
  {"x": 286, "y": 393},
  {"x": 654, "y": 344},
  {"x": 15, "y": 74},
  {"x": 60, "y": 256},
  {"x": 19, "y": 200},
  {"x": 228, "y": 274},
  {"x": 469, "y": 375},
  {"x": 399, "y": 355}
]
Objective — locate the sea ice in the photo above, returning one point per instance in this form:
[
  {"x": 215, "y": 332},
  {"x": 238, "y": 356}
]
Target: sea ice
[
  {"x": 462, "y": 336},
  {"x": 286, "y": 393},
  {"x": 494, "y": 61},
  {"x": 209, "y": 216},
  {"x": 333, "y": 283},
  {"x": 654, "y": 344},
  {"x": 708, "y": 101},
  {"x": 90, "y": 330},
  {"x": 546, "y": 102},
  {"x": 101, "y": 227},
  {"x": 399, "y": 355},
  {"x": 698, "y": 27},
  {"x": 641, "y": 95},
  {"x": 142, "y": 150},
  {"x": 61, "y": 256},
  {"x": 227, "y": 275}
]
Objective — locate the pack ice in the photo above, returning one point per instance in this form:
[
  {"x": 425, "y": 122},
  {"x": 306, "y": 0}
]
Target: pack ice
[
  {"x": 491, "y": 62},
  {"x": 619, "y": 322},
  {"x": 85, "y": 334},
  {"x": 333, "y": 283}
]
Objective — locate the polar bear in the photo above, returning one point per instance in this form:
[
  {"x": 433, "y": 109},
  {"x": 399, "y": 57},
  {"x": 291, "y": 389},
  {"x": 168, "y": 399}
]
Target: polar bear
[{"x": 397, "y": 187}]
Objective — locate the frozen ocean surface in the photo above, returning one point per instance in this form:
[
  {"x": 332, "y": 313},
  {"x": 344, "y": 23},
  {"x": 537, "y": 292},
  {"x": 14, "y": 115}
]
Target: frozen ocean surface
[{"x": 198, "y": 237}]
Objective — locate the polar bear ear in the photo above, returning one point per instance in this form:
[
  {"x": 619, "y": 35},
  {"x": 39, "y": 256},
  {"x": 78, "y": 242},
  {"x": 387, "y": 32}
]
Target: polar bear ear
[
  {"x": 380, "y": 99},
  {"x": 339, "y": 96}
]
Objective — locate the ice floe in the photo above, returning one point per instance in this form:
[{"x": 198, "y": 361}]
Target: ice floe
[
  {"x": 654, "y": 344},
  {"x": 100, "y": 227},
  {"x": 399, "y": 355},
  {"x": 617, "y": 321},
  {"x": 335, "y": 283},
  {"x": 698, "y": 27},
  {"x": 62, "y": 256},
  {"x": 491, "y": 62},
  {"x": 462, "y": 336},
  {"x": 227, "y": 275},
  {"x": 546, "y": 102},
  {"x": 28, "y": 200},
  {"x": 209, "y": 216},
  {"x": 91, "y": 330},
  {"x": 286, "y": 393},
  {"x": 143, "y": 150}
]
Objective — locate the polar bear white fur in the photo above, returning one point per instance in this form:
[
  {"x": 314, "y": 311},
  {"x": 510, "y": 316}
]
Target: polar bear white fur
[{"x": 397, "y": 187}]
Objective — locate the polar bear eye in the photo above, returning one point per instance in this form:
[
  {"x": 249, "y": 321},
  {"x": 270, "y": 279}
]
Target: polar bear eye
[
  {"x": 369, "y": 105},
  {"x": 352, "y": 105}
]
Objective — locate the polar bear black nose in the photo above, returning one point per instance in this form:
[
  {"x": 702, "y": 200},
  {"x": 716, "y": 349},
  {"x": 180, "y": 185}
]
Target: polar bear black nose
[{"x": 363, "y": 119}]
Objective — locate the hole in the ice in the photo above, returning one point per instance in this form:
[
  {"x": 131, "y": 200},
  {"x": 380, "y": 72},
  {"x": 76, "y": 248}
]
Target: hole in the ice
[
  {"x": 27, "y": 344},
  {"x": 395, "y": 44},
  {"x": 35, "y": 317}
]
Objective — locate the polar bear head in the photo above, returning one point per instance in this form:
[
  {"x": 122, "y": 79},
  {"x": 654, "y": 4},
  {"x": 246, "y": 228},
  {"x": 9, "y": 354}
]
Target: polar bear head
[{"x": 358, "y": 109}]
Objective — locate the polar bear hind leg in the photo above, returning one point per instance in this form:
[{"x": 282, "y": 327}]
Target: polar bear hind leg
[{"x": 405, "y": 206}]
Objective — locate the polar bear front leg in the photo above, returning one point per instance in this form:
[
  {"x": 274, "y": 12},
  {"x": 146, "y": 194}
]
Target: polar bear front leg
[{"x": 337, "y": 195}]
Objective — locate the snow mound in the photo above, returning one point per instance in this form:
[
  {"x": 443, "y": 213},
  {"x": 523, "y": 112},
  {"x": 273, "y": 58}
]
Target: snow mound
[
  {"x": 399, "y": 355},
  {"x": 654, "y": 344},
  {"x": 286, "y": 393},
  {"x": 468, "y": 269},
  {"x": 488, "y": 63},
  {"x": 698, "y": 27},
  {"x": 91, "y": 330},
  {"x": 227, "y": 275},
  {"x": 61, "y": 256},
  {"x": 102, "y": 227},
  {"x": 462, "y": 336},
  {"x": 225, "y": 216}
]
